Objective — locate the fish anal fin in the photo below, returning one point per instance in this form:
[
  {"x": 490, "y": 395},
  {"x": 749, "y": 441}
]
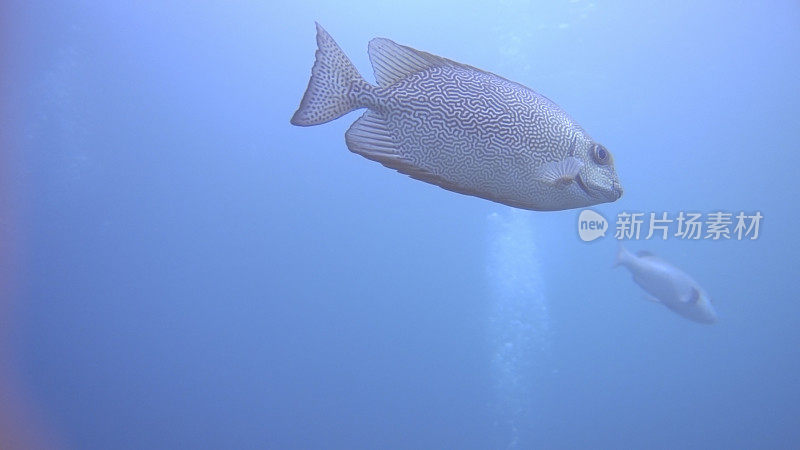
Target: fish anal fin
[
  {"x": 651, "y": 298},
  {"x": 370, "y": 137}
]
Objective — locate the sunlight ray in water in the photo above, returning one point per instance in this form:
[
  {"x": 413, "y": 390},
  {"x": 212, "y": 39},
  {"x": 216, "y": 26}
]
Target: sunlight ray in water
[{"x": 519, "y": 323}]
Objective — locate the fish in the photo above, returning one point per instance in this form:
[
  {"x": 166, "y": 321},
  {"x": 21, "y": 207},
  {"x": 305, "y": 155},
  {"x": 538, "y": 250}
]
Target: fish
[
  {"x": 667, "y": 285},
  {"x": 461, "y": 128}
]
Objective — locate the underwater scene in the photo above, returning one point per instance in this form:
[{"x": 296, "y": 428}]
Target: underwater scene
[{"x": 441, "y": 224}]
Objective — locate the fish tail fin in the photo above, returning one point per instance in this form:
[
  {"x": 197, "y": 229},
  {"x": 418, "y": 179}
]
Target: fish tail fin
[
  {"x": 622, "y": 255},
  {"x": 333, "y": 77}
]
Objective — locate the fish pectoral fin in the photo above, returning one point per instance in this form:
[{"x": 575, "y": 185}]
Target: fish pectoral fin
[
  {"x": 693, "y": 297},
  {"x": 560, "y": 173},
  {"x": 651, "y": 298}
]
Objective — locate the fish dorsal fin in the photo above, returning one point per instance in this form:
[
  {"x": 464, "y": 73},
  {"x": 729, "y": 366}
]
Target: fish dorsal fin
[
  {"x": 645, "y": 254},
  {"x": 392, "y": 61}
]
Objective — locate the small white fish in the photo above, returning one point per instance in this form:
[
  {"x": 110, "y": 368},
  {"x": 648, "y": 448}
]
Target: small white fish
[{"x": 668, "y": 285}]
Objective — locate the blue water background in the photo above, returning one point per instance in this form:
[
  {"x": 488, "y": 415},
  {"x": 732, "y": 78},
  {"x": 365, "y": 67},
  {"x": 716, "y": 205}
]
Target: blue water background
[{"x": 195, "y": 272}]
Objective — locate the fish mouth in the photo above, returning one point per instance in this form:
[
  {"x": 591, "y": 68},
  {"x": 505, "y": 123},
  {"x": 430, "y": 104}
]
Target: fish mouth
[
  {"x": 616, "y": 191},
  {"x": 612, "y": 195},
  {"x": 583, "y": 186}
]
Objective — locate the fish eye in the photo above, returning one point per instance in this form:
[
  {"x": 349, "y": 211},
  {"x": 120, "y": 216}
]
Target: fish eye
[{"x": 601, "y": 155}]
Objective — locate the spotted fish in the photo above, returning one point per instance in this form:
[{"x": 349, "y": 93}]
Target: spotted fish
[{"x": 458, "y": 127}]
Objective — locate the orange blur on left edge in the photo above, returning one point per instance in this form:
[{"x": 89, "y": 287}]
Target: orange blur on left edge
[{"x": 20, "y": 427}]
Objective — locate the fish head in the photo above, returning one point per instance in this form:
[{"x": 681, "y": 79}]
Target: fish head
[
  {"x": 597, "y": 178},
  {"x": 705, "y": 311},
  {"x": 697, "y": 306}
]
